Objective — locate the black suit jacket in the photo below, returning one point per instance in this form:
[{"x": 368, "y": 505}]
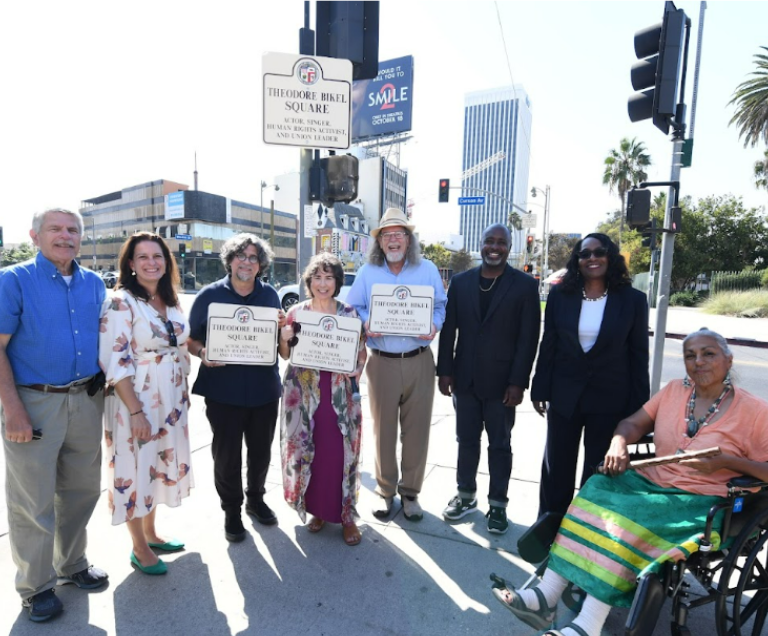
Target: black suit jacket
[
  {"x": 613, "y": 376},
  {"x": 496, "y": 352}
]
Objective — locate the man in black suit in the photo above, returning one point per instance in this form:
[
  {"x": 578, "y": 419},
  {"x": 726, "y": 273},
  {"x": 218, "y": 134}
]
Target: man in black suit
[{"x": 497, "y": 314}]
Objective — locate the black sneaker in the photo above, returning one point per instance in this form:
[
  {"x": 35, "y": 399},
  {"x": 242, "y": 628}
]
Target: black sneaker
[
  {"x": 458, "y": 508},
  {"x": 88, "y": 579},
  {"x": 43, "y": 606},
  {"x": 262, "y": 512},
  {"x": 233, "y": 527},
  {"x": 497, "y": 520}
]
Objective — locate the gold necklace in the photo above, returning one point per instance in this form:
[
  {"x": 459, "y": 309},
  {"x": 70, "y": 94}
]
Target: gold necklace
[{"x": 492, "y": 284}]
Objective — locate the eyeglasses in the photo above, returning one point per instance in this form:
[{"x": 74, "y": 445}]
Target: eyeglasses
[
  {"x": 388, "y": 236},
  {"x": 244, "y": 257},
  {"x": 171, "y": 334},
  {"x": 295, "y": 340},
  {"x": 600, "y": 252}
]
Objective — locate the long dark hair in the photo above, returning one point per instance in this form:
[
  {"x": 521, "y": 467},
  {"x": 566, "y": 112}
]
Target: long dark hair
[
  {"x": 166, "y": 286},
  {"x": 617, "y": 274}
]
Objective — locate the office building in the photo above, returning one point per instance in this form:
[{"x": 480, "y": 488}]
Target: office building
[{"x": 495, "y": 161}]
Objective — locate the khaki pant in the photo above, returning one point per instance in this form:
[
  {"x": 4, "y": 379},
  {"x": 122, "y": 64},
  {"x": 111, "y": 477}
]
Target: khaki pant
[
  {"x": 401, "y": 391},
  {"x": 52, "y": 486}
]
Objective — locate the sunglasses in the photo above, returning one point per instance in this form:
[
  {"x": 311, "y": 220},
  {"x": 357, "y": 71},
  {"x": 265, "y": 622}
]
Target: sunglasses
[
  {"x": 171, "y": 334},
  {"x": 600, "y": 252},
  {"x": 295, "y": 340}
]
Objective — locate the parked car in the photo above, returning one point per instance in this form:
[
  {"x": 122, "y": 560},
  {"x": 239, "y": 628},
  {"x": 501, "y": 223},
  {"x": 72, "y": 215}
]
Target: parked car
[
  {"x": 109, "y": 278},
  {"x": 289, "y": 294}
]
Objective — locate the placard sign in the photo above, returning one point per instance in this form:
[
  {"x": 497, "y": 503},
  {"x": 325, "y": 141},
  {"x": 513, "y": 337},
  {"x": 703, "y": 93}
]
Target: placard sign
[
  {"x": 401, "y": 310},
  {"x": 307, "y": 100},
  {"x": 326, "y": 342},
  {"x": 240, "y": 334}
]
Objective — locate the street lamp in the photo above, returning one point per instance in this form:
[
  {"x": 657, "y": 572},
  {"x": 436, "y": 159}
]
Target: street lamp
[
  {"x": 545, "y": 265},
  {"x": 261, "y": 205}
]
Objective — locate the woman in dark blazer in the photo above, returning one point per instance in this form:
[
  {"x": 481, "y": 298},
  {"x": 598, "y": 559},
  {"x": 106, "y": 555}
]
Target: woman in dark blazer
[{"x": 592, "y": 367}]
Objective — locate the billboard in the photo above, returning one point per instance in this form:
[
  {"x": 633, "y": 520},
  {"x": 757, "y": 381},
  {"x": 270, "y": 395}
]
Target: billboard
[
  {"x": 383, "y": 105},
  {"x": 174, "y": 205}
]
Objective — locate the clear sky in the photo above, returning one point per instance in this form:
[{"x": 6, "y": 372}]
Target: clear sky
[{"x": 99, "y": 96}]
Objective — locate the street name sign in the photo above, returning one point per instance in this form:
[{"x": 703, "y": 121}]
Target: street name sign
[
  {"x": 183, "y": 237},
  {"x": 528, "y": 221},
  {"x": 471, "y": 200},
  {"x": 307, "y": 101}
]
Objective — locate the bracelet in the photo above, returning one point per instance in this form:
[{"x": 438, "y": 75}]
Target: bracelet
[{"x": 137, "y": 412}]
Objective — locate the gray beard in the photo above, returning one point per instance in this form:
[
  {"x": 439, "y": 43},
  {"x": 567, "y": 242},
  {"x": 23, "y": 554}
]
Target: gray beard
[
  {"x": 394, "y": 257},
  {"x": 243, "y": 278}
]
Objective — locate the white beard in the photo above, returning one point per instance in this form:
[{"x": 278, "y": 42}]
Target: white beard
[
  {"x": 243, "y": 277},
  {"x": 394, "y": 257}
]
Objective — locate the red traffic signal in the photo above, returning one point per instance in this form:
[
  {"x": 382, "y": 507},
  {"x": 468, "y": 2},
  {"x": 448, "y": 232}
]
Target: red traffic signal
[
  {"x": 445, "y": 185},
  {"x": 529, "y": 243},
  {"x": 528, "y": 269}
]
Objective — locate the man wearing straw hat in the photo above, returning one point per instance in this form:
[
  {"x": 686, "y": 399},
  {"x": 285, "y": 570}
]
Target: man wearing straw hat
[{"x": 401, "y": 371}]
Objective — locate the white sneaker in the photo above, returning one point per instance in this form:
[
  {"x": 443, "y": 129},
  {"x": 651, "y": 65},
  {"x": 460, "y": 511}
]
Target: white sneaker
[{"x": 412, "y": 508}]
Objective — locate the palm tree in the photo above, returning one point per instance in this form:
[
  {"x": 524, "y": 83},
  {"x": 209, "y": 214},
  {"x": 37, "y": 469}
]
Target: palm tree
[
  {"x": 625, "y": 168},
  {"x": 761, "y": 172},
  {"x": 751, "y": 100}
]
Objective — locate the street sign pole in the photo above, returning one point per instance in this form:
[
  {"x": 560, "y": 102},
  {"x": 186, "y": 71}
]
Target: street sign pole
[{"x": 303, "y": 244}]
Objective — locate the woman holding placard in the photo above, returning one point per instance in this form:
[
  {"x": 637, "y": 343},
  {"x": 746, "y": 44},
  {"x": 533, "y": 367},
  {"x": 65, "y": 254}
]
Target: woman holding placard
[{"x": 321, "y": 418}]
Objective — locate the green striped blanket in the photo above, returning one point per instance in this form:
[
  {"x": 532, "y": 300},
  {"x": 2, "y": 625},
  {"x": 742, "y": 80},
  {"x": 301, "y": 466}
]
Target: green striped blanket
[{"x": 621, "y": 527}]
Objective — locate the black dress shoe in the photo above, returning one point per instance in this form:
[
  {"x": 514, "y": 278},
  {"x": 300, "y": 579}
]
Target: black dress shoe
[
  {"x": 233, "y": 527},
  {"x": 43, "y": 606},
  {"x": 88, "y": 579},
  {"x": 262, "y": 512}
]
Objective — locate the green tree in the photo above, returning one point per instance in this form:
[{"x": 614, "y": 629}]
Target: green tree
[
  {"x": 761, "y": 172},
  {"x": 515, "y": 221},
  {"x": 461, "y": 261},
  {"x": 438, "y": 254},
  {"x": 751, "y": 101},
  {"x": 23, "y": 252},
  {"x": 560, "y": 248},
  {"x": 625, "y": 168}
]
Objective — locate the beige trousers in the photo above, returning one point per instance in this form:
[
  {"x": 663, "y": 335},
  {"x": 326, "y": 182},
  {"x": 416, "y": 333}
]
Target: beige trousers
[
  {"x": 401, "y": 391},
  {"x": 52, "y": 486}
]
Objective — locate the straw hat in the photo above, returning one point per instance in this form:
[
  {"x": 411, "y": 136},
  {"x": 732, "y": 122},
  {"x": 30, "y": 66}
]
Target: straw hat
[{"x": 392, "y": 218}]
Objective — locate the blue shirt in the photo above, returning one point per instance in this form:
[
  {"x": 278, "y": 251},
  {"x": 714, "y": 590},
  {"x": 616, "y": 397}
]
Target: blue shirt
[
  {"x": 424, "y": 273},
  {"x": 54, "y": 327},
  {"x": 235, "y": 384}
]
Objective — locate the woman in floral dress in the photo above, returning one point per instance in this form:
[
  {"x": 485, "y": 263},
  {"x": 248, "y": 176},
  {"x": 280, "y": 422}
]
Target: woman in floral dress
[
  {"x": 320, "y": 422},
  {"x": 143, "y": 353}
]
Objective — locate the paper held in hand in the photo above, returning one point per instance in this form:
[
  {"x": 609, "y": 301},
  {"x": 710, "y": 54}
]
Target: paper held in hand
[
  {"x": 240, "y": 334},
  {"x": 326, "y": 342},
  {"x": 401, "y": 310}
]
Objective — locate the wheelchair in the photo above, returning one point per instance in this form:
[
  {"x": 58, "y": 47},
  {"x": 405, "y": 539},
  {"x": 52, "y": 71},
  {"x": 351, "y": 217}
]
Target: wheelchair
[{"x": 734, "y": 577}]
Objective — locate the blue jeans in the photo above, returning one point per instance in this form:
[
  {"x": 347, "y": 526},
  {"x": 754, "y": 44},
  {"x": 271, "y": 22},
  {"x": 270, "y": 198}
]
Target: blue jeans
[{"x": 472, "y": 415}]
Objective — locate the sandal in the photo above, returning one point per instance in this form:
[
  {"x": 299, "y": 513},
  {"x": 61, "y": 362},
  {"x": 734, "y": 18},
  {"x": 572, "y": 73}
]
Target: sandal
[
  {"x": 351, "y": 534},
  {"x": 557, "y": 632},
  {"x": 316, "y": 524},
  {"x": 542, "y": 618}
]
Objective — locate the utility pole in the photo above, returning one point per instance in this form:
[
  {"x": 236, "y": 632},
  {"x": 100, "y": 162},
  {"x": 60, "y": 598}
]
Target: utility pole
[{"x": 303, "y": 244}]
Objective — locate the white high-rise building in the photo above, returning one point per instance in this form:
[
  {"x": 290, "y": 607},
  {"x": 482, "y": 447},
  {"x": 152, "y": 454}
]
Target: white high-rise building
[{"x": 495, "y": 158}]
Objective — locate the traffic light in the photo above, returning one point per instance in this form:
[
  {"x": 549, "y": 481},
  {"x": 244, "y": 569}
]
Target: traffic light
[
  {"x": 638, "y": 208},
  {"x": 183, "y": 249},
  {"x": 334, "y": 179},
  {"x": 445, "y": 185},
  {"x": 649, "y": 235},
  {"x": 529, "y": 243},
  {"x": 528, "y": 269},
  {"x": 660, "y": 51},
  {"x": 349, "y": 30}
]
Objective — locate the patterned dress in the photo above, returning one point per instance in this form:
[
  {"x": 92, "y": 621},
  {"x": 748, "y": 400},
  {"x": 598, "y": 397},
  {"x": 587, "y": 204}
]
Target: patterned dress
[
  {"x": 135, "y": 343},
  {"x": 301, "y": 399}
]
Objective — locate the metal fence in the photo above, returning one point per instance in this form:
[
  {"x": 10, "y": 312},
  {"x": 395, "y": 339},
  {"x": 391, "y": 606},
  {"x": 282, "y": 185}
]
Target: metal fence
[{"x": 736, "y": 281}]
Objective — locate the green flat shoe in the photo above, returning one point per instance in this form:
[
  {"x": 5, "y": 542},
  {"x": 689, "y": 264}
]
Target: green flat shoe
[
  {"x": 156, "y": 569},
  {"x": 169, "y": 546}
]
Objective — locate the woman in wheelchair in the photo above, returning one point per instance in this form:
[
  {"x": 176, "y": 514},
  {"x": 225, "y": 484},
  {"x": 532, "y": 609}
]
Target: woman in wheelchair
[{"x": 626, "y": 522}]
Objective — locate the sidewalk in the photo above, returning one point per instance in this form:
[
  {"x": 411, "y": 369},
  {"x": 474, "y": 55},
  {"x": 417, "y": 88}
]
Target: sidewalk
[{"x": 427, "y": 578}]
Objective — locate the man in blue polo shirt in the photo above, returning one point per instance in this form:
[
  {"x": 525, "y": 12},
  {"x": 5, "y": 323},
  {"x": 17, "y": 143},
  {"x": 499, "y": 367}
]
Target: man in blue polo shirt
[
  {"x": 241, "y": 401},
  {"x": 49, "y": 334},
  {"x": 401, "y": 371}
]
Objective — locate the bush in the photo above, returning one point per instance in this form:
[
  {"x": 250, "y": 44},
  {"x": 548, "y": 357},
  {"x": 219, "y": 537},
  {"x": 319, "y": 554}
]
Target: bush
[
  {"x": 752, "y": 304},
  {"x": 684, "y": 299},
  {"x": 765, "y": 279}
]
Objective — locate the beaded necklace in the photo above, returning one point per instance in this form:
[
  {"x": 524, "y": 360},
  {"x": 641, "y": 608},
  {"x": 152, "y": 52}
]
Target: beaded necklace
[
  {"x": 593, "y": 300},
  {"x": 695, "y": 425}
]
